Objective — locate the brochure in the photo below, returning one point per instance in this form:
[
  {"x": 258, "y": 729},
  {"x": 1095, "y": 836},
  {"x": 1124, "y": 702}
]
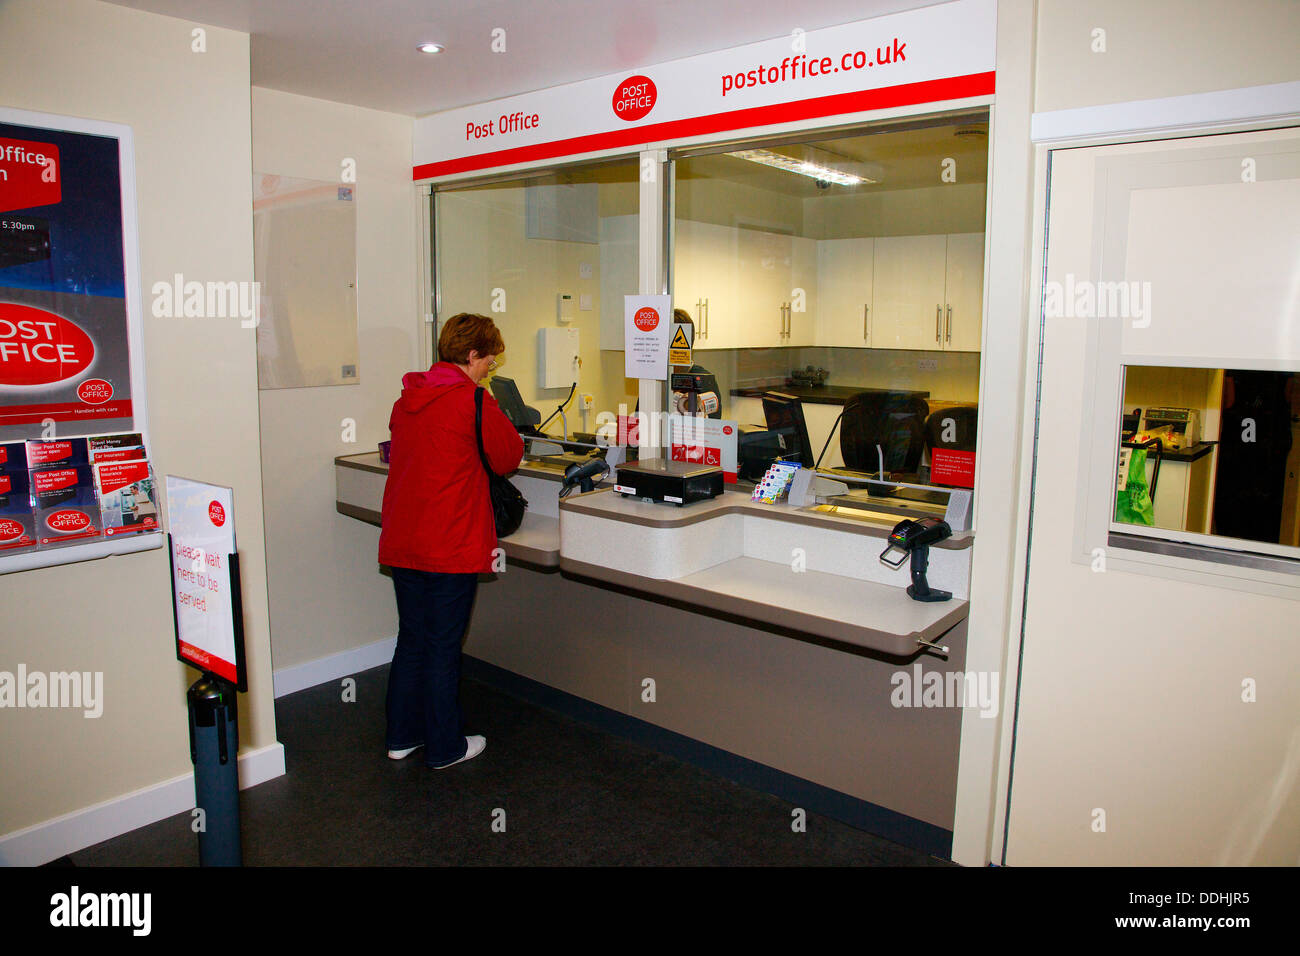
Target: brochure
[{"x": 127, "y": 500}]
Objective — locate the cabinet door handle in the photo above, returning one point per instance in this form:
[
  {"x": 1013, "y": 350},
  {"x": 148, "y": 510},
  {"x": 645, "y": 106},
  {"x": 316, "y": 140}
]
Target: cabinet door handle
[
  {"x": 706, "y": 318},
  {"x": 938, "y": 323},
  {"x": 948, "y": 334},
  {"x": 866, "y": 330},
  {"x": 786, "y": 321}
]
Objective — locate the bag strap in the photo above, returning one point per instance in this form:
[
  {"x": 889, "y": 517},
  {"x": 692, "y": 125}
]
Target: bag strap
[{"x": 478, "y": 429}]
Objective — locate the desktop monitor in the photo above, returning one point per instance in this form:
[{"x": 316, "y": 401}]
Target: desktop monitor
[
  {"x": 784, "y": 415},
  {"x": 506, "y": 392}
]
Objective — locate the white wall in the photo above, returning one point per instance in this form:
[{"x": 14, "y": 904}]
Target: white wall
[
  {"x": 326, "y": 592},
  {"x": 1160, "y": 48},
  {"x": 1152, "y": 740},
  {"x": 190, "y": 116}
]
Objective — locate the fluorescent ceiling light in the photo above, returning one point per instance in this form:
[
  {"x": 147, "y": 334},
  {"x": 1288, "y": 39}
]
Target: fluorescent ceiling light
[
  {"x": 430, "y": 47},
  {"x": 803, "y": 167}
]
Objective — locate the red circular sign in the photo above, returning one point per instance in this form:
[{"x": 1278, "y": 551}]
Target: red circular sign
[
  {"x": 67, "y": 521},
  {"x": 94, "y": 391},
  {"x": 10, "y": 530},
  {"x": 726, "y": 429},
  {"x": 646, "y": 319},
  {"x": 216, "y": 513},
  {"x": 39, "y": 347},
  {"x": 634, "y": 98}
]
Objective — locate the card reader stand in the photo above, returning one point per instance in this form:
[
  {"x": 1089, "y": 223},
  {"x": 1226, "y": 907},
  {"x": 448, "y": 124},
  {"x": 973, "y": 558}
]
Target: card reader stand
[{"x": 915, "y": 537}]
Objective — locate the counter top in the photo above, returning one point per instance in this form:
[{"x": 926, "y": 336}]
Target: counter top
[
  {"x": 549, "y": 470},
  {"x": 810, "y": 572},
  {"x": 1195, "y": 452},
  {"x": 800, "y": 570},
  {"x": 876, "y": 616},
  {"x": 819, "y": 394},
  {"x": 658, "y": 515},
  {"x": 360, "y": 483}
]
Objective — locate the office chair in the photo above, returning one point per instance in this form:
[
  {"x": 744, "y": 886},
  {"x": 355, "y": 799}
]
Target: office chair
[{"x": 883, "y": 429}]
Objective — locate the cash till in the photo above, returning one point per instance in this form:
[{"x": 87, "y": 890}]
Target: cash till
[
  {"x": 1177, "y": 428},
  {"x": 675, "y": 482}
]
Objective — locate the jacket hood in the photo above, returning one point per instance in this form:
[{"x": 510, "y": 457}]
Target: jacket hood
[{"x": 419, "y": 389}]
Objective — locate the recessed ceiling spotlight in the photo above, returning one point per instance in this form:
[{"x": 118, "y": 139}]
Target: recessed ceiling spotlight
[{"x": 430, "y": 47}]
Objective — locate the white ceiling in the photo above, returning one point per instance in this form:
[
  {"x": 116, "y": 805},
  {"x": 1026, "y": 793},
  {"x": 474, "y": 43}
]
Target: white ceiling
[{"x": 363, "y": 51}]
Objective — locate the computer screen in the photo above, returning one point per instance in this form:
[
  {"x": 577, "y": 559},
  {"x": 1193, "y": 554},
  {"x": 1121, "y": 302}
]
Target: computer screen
[
  {"x": 784, "y": 415},
  {"x": 506, "y": 392}
]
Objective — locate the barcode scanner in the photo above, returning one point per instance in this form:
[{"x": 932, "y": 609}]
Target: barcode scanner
[{"x": 915, "y": 537}]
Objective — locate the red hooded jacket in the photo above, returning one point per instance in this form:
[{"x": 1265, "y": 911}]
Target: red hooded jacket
[{"x": 436, "y": 511}]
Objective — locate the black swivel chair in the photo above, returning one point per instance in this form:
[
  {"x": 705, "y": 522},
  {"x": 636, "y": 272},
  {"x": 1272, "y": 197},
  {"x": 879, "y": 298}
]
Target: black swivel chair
[{"x": 884, "y": 428}]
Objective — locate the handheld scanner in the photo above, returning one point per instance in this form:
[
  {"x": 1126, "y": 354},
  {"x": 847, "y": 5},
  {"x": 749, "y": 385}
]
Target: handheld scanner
[{"x": 909, "y": 534}]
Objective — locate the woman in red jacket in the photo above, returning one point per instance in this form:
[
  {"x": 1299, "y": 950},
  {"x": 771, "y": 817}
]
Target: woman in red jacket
[{"x": 438, "y": 535}]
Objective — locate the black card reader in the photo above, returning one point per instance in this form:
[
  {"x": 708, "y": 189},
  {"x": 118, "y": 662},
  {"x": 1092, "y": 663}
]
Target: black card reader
[{"x": 916, "y": 536}]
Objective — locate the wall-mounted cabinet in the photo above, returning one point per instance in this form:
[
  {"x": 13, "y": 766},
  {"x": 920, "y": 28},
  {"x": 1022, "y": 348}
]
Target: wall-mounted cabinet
[
  {"x": 744, "y": 287},
  {"x": 908, "y": 292},
  {"x": 902, "y": 292},
  {"x": 706, "y": 283},
  {"x": 964, "y": 292},
  {"x": 777, "y": 275},
  {"x": 844, "y": 292}
]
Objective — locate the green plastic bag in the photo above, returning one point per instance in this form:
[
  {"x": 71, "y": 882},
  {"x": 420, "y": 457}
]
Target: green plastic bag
[{"x": 1132, "y": 497}]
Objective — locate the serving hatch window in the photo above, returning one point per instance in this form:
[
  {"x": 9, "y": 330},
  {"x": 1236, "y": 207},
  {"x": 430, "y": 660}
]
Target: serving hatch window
[
  {"x": 1211, "y": 451},
  {"x": 548, "y": 257}
]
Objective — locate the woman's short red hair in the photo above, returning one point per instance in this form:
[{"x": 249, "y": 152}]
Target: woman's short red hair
[{"x": 468, "y": 332}]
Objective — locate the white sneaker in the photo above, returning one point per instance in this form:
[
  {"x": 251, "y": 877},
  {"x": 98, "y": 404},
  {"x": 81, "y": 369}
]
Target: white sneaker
[
  {"x": 402, "y": 754},
  {"x": 473, "y": 747}
]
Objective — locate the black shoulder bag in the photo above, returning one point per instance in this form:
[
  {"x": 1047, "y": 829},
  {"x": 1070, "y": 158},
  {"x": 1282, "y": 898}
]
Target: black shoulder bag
[{"x": 507, "y": 503}]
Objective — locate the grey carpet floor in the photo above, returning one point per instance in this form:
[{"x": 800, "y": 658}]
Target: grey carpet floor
[{"x": 568, "y": 794}]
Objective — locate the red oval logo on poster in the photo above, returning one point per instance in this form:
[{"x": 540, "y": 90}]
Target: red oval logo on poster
[
  {"x": 634, "y": 98},
  {"x": 10, "y": 530},
  {"x": 726, "y": 429},
  {"x": 216, "y": 513},
  {"x": 94, "y": 391},
  {"x": 646, "y": 319},
  {"x": 39, "y": 347},
  {"x": 67, "y": 521}
]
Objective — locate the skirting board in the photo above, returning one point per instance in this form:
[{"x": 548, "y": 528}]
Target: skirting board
[
  {"x": 290, "y": 680},
  {"x": 75, "y": 831}
]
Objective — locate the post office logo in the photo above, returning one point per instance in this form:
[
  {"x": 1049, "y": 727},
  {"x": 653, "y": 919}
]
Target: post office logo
[
  {"x": 646, "y": 319},
  {"x": 39, "y": 347},
  {"x": 634, "y": 98}
]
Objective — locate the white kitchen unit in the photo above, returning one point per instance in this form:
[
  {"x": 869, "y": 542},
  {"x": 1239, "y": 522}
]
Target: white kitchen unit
[
  {"x": 964, "y": 292},
  {"x": 908, "y": 292},
  {"x": 928, "y": 292},
  {"x": 765, "y": 273},
  {"x": 706, "y": 283},
  {"x": 801, "y": 324},
  {"x": 1182, "y": 499},
  {"x": 844, "y": 291},
  {"x": 741, "y": 287}
]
